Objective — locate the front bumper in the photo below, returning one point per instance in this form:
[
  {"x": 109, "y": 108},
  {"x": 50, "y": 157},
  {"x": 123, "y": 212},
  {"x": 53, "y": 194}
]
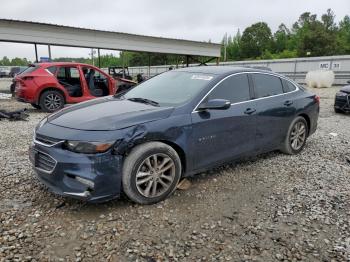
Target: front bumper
[
  {"x": 342, "y": 103},
  {"x": 93, "y": 177}
]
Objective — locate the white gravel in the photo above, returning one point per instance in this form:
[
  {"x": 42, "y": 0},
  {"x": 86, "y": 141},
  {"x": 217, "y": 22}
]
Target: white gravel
[{"x": 273, "y": 208}]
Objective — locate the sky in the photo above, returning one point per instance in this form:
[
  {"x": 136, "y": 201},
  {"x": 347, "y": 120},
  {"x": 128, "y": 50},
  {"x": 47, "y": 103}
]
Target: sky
[{"x": 184, "y": 19}]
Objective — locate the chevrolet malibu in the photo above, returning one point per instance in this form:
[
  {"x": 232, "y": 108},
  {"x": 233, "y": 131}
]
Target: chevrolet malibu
[{"x": 174, "y": 125}]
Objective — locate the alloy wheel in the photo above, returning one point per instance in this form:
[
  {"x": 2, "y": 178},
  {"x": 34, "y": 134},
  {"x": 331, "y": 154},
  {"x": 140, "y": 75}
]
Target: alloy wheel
[
  {"x": 298, "y": 135},
  {"x": 52, "y": 101},
  {"x": 155, "y": 175}
]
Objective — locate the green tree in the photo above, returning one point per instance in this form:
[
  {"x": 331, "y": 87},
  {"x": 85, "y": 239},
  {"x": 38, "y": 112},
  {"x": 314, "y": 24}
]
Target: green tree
[
  {"x": 233, "y": 49},
  {"x": 5, "y": 61},
  {"x": 281, "y": 38},
  {"x": 255, "y": 40},
  {"x": 343, "y": 36},
  {"x": 314, "y": 37},
  {"x": 19, "y": 61}
]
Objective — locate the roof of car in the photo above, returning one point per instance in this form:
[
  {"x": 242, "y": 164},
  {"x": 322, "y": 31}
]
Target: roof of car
[
  {"x": 218, "y": 70},
  {"x": 61, "y": 63}
]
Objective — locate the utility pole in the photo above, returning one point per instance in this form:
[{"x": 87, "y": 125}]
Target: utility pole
[
  {"x": 92, "y": 55},
  {"x": 49, "y": 49},
  {"x": 225, "y": 47},
  {"x": 36, "y": 54}
]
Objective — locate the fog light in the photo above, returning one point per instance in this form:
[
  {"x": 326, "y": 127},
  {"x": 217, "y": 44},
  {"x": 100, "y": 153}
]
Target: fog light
[{"x": 85, "y": 181}]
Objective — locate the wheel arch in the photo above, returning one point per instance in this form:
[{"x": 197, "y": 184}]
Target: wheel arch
[
  {"x": 308, "y": 121},
  {"x": 179, "y": 150},
  {"x": 51, "y": 89}
]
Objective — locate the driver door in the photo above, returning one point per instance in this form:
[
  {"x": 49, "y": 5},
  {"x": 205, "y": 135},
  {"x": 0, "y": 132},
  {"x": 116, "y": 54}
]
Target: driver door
[{"x": 222, "y": 135}]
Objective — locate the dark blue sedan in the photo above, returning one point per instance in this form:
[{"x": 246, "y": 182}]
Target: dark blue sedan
[{"x": 174, "y": 125}]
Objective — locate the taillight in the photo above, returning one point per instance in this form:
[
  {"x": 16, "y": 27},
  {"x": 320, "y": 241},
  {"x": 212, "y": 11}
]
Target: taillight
[
  {"x": 27, "y": 78},
  {"x": 317, "y": 99}
]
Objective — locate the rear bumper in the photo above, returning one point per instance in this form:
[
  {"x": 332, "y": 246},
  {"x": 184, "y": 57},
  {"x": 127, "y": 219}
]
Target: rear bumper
[
  {"x": 313, "y": 116},
  {"x": 93, "y": 178},
  {"x": 23, "y": 93}
]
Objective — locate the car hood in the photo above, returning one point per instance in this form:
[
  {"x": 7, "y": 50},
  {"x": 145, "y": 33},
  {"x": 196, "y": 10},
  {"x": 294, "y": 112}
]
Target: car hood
[
  {"x": 108, "y": 114},
  {"x": 346, "y": 89}
]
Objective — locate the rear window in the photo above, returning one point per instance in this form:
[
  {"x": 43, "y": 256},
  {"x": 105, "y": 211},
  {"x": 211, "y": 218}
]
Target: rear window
[
  {"x": 30, "y": 69},
  {"x": 288, "y": 86},
  {"x": 52, "y": 69},
  {"x": 267, "y": 85}
]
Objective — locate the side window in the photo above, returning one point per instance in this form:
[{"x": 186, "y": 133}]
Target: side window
[
  {"x": 96, "y": 74},
  {"x": 68, "y": 72},
  {"x": 267, "y": 85},
  {"x": 288, "y": 86},
  {"x": 74, "y": 72},
  {"x": 234, "y": 88},
  {"x": 52, "y": 69},
  {"x": 61, "y": 72}
]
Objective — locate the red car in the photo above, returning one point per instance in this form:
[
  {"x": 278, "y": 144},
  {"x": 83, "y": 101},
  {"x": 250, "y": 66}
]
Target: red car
[{"x": 48, "y": 86}]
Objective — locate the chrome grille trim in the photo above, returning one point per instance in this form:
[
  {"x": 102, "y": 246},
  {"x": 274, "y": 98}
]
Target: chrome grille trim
[
  {"x": 45, "y": 162},
  {"x": 46, "y": 141}
]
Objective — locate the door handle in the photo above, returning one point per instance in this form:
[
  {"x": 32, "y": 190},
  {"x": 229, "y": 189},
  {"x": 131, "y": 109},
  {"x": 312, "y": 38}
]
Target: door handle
[
  {"x": 288, "y": 103},
  {"x": 249, "y": 111}
]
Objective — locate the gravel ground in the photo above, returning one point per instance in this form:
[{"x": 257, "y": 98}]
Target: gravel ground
[{"x": 272, "y": 208}]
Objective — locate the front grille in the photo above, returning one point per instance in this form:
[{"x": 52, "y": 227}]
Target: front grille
[
  {"x": 45, "y": 162},
  {"x": 46, "y": 140}
]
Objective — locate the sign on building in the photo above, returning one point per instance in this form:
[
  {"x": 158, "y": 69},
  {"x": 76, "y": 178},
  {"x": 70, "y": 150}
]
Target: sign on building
[
  {"x": 328, "y": 66},
  {"x": 325, "y": 65},
  {"x": 336, "y": 66}
]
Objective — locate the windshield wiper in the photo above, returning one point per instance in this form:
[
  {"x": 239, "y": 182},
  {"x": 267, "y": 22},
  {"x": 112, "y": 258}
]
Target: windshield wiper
[{"x": 144, "y": 100}]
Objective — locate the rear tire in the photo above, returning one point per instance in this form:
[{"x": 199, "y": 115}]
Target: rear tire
[
  {"x": 151, "y": 172},
  {"x": 36, "y": 106},
  {"x": 51, "y": 101},
  {"x": 296, "y": 136}
]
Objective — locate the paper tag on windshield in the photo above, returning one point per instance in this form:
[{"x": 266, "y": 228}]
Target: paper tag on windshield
[{"x": 202, "y": 77}]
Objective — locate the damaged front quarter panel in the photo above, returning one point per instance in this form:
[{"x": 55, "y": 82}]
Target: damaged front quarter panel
[
  {"x": 132, "y": 136},
  {"x": 177, "y": 135}
]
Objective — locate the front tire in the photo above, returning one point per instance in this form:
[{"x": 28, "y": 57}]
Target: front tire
[
  {"x": 51, "y": 101},
  {"x": 296, "y": 137},
  {"x": 338, "y": 111},
  {"x": 151, "y": 172}
]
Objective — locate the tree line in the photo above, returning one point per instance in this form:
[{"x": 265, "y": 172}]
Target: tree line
[{"x": 309, "y": 36}]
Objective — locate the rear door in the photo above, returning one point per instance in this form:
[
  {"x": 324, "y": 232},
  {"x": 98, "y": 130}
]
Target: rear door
[
  {"x": 69, "y": 78},
  {"x": 275, "y": 111},
  {"x": 220, "y": 135}
]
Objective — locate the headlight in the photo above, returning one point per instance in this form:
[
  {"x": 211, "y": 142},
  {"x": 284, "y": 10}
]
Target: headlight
[
  {"x": 341, "y": 94},
  {"x": 88, "y": 147}
]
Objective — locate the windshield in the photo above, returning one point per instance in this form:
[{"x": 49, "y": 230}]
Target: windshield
[{"x": 172, "y": 88}]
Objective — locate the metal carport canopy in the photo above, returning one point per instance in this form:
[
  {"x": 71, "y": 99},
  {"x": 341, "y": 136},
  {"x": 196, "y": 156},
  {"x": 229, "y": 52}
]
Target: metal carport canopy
[{"x": 50, "y": 34}]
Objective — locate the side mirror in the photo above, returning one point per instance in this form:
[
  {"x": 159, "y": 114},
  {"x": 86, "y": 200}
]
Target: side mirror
[
  {"x": 348, "y": 81},
  {"x": 215, "y": 104}
]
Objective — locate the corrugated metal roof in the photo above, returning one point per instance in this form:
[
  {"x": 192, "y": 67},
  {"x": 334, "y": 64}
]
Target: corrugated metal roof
[{"x": 106, "y": 31}]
